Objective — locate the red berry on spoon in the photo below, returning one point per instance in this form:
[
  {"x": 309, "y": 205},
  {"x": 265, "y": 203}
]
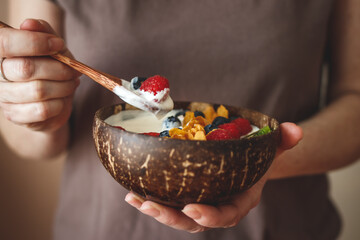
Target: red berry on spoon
[{"x": 155, "y": 84}]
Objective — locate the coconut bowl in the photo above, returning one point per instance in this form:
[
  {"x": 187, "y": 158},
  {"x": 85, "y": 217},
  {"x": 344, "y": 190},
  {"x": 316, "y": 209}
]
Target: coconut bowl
[{"x": 176, "y": 172}]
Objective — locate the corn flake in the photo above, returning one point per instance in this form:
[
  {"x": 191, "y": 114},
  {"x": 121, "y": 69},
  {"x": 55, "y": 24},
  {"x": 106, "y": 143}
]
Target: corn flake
[
  {"x": 188, "y": 117},
  {"x": 209, "y": 113},
  {"x": 177, "y": 133},
  {"x": 222, "y": 112},
  {"x": 200, "y": 136},
  {"x": 202, "y": 121}
]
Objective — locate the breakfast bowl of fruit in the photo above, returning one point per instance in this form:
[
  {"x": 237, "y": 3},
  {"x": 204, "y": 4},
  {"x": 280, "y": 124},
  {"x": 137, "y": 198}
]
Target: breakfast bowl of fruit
[{"x": 197, "y": 153}]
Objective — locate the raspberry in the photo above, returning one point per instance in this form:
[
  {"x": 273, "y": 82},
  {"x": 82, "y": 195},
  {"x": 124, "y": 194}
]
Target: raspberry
[
  {"x": 154, "y": 134},
  {"x": 155, "y": 84},
  {"x": 244, "y": 125},
  {"x": 232, "y": 128},
  {"x": 219, "y": 134}
]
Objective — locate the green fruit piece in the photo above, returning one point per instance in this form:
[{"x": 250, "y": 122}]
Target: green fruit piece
[{"x": 262, "y": 131}]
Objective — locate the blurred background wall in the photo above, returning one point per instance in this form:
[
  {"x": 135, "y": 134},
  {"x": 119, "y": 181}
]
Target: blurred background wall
[{"x": 29, "y": 192}]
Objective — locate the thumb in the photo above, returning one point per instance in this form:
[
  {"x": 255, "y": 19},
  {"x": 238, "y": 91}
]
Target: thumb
[
  {"x": 291, "y": 135},
  {"x": 38, "y": 25}
]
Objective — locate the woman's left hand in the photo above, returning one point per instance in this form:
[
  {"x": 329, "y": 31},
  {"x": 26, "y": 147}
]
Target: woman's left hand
[{"x": 199, "y": 217}]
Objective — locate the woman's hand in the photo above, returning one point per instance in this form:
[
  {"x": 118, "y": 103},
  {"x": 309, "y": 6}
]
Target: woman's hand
[
  {"x": 199, "y": 217},
  {"x": 37, "y": 90}
]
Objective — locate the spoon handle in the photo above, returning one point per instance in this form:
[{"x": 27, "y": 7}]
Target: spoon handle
[{"x": 106, "y": 80}]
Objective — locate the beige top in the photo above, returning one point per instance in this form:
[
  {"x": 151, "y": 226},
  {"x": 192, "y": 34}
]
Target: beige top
[{"x": 264, "y": 55}]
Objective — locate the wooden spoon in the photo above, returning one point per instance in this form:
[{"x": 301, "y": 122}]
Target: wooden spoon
[{"x": 118, "y": 86}]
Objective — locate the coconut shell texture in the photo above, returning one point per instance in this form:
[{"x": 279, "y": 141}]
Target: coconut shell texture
[{"x": 177, "y": 172}]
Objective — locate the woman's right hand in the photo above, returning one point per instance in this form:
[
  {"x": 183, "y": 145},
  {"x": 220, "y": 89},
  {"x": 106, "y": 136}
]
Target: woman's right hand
[{"x": 39, "y": 90}]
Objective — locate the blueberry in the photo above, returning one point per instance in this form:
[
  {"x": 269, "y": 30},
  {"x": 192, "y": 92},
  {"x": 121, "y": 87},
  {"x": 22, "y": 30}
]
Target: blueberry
[
  {"x": 199, "y": 113},
  {"x": 164, "y": 133},
  {"x": 136, "y": 82},
  {"x": 171, "y": 122},
  {"x": 220, "y": 120},
  {"x": 181, "y": 113},
  {"x": 208, "y": 128}
]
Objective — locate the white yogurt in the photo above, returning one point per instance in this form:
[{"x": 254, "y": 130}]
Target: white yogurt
[{"x": 138, "y": 121}]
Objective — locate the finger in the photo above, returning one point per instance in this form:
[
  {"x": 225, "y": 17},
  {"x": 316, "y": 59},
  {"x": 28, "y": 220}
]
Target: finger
[
  {"x": 226, "y": 215},
  {"x": 165, "y": 215},
  {"x": 32, "y": 112},
  {"x": 56, "y": 122},
  {"x": 291, "y": 135},
  {"x": 33, "y": 68},
  {"x": 134, "y": 200},
  {"x": 170, "y": 217},
  {"x": 15, "y": 43},
  {"x": 37, "y": 25},
  {"x": 36, "y": 91}
]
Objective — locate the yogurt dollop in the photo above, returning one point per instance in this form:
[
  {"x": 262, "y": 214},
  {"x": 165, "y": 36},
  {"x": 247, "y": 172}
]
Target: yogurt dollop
[{"x": 159, "y": 104}]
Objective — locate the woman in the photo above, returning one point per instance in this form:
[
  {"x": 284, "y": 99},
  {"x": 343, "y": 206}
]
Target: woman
[{"x": 265, "y": 55}]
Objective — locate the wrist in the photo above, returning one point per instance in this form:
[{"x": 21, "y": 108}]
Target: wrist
[{"x": 34, "y": 145}]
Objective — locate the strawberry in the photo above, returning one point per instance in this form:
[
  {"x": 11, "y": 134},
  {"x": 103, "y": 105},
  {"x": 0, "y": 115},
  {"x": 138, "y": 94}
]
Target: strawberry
[
  {"x": 155, "y": 84},
  {"x": 232, "y": 128},
  {"x": 120, "y": 128},
  {"x": 154, "y": 134},
  {"x": 244, "y": 125},
  {"x": 219, "y": 134}
]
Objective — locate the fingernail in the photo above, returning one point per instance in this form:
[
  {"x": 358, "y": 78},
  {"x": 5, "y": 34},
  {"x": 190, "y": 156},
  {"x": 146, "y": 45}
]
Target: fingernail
[
  {"x": 130, "y": 199},
  {"x": 192, "y": 213},
  {"x": 39, "y": 21},
  {"x": 150, "y": 210},
  {"x": 56, "y": 44}
]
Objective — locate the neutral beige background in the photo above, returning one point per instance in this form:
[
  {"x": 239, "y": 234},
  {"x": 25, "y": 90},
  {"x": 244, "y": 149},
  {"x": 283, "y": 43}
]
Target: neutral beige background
[{"x": 29, "y": 192}]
